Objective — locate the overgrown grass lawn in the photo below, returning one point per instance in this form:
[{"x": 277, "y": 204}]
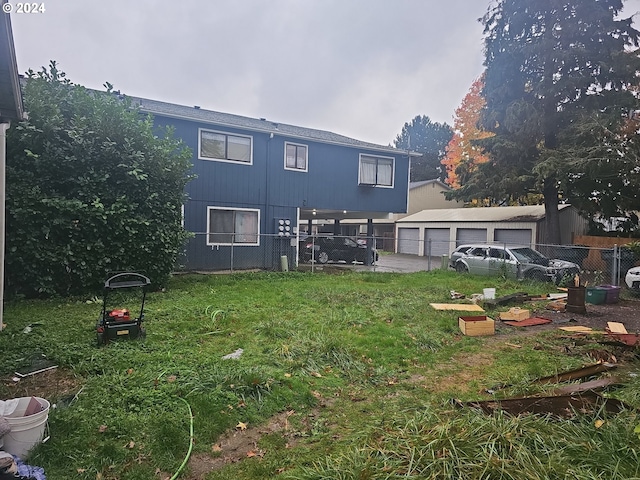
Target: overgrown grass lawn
[{"x": 363, "y": 367}]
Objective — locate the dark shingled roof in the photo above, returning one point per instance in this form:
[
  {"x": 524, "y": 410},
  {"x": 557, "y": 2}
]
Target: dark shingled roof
[{"x": 260, "y": 125}]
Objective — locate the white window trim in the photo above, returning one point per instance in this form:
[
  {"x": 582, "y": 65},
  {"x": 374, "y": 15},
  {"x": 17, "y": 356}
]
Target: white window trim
[
  {"x": 306, "y": 169},
  {"x": 212, "y": 244},
  {"x": 224, "y": 160},
  {"x": 393, "y": 170}
]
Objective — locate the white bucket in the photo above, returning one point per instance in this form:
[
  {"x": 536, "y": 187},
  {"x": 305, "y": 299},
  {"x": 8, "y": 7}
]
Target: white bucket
[
  {"x": 489, "y": 293},
  {"x": 26, "y": 432}
]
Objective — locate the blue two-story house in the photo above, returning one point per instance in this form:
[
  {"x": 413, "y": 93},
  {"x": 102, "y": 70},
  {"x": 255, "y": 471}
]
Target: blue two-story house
[{"x": 258, "y": 184}]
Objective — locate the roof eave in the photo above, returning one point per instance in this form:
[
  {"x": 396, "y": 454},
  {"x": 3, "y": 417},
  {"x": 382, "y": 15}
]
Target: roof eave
[{"x": 17, "y": 113}]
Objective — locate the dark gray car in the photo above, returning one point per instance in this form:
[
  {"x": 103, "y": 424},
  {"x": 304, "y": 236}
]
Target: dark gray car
[
  {"x": 325, "y": 249},
  {"x": 511, "y": 262}
]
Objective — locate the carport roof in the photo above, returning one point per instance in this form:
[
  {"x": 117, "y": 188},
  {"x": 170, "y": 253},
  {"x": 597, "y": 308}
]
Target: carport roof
[{"x": 527, "y": 213}]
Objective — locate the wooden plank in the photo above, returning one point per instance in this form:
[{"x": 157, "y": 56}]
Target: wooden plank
[
  {"x": 577, "y": 373},
  {"x": 563, "y": 406},
  {"x": 465, "y": 307},
  {"x": 616, "y": 327},
  {"x": 577, "y": 328},
  {"x": 595, "y": 385},
  {"x": 557, "y": 296}
]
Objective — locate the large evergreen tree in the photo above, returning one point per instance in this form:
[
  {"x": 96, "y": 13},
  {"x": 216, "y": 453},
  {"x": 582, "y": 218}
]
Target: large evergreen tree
[
  {"x": 90, "y": 189},
  {"x": 430, "y": 139},
  {"x": 557, "y": 82}
]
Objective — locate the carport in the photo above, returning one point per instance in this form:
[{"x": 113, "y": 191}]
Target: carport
[{"x": 329, "y": 222}]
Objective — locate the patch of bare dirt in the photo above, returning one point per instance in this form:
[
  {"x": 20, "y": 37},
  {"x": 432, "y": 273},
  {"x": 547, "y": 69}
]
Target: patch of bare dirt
[
  {"x": 626, "y": 311},
  {"x": 53, "y": 385},
  {"x": 237, "y": 445},
  {"x": 457, "y": 374}
]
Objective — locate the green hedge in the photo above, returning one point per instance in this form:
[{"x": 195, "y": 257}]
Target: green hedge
[{"x": 91, "y": 189}]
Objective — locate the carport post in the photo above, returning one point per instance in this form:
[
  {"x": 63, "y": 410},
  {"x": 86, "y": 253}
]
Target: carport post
[{"x": 367, "y": 258}]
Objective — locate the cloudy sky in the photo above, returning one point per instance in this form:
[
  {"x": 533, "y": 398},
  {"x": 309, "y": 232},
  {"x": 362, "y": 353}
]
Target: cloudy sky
[{"x": 361, "y": 68}]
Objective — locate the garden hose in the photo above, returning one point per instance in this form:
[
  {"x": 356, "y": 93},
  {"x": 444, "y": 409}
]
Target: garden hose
[{"x": 186, "y": 458}]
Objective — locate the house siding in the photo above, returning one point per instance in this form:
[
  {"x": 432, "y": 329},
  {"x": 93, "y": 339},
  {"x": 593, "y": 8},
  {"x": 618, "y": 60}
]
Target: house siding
[{"x": 331, "y": 183}]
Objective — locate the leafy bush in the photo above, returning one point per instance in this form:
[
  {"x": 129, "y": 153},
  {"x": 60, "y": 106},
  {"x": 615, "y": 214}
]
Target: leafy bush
[
  {"x": 91, "y": 188},
  {"x": 634, "y": 247}
]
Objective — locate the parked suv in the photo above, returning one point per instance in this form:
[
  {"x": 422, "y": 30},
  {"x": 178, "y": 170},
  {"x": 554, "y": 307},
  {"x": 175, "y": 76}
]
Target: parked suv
[
  {"x": 514, "y": 262},
  {"x": 325, "y": 249}
]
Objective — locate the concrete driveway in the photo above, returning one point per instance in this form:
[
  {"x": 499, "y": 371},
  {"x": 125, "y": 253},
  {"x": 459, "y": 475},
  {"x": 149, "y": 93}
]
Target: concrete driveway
[
  {"x": 403, "y": 263},
  {"x": 392, "y": 262}
]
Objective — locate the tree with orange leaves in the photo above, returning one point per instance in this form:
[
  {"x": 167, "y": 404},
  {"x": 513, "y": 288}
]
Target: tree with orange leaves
[{"x": 462, "y": 152}]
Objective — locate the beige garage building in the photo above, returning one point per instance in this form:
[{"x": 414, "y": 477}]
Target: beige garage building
[{"x": 437, "y": 232}]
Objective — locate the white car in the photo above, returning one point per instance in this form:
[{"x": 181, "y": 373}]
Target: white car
[{"x": 632, "y": 279}]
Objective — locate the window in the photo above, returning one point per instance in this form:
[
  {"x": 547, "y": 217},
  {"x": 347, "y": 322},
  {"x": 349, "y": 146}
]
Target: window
[
  {"x": 227, "y": 226},
  {"x": 498, "y": 253},
  {"x": 295, "y": 157},
  {"x": 225, "y": 147},
  {"x": 376, "y": 171}
]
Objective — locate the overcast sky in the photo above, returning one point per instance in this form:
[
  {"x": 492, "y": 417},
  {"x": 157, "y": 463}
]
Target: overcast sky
[{"x": 360, "y": 68}]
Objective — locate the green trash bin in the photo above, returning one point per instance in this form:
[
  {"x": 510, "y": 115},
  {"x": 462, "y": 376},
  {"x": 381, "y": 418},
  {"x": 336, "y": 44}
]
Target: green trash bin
[{"x": 596, "y": 295}]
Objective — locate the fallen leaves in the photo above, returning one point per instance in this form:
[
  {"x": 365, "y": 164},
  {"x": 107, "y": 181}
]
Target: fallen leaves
[{"x": 241, "y": 426}]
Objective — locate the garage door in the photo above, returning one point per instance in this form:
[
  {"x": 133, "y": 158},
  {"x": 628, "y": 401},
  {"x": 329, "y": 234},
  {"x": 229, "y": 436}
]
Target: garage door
[
  {"x": 408, "y": 241},
  {"x": 513, "y": 236},
  {"x": 439, "y": 239},
  {"x": 471, "y": 235}
]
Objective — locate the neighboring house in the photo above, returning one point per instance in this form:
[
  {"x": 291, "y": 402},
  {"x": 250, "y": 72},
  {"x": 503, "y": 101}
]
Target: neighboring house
[
  {"x": 440, "y": 231},
  {"x": 427, "y": 194},
  {"x": 254, "y": 176},
  {"x": 11, "y": 110}
]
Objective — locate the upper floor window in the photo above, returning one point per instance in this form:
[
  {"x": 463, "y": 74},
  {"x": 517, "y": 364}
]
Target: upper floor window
[
  {"x": 295, "y": 157},
  {"x": 225, "y": 147},
  {"x": 376, "y": 171},
  {"x": 229, "y": 226}
]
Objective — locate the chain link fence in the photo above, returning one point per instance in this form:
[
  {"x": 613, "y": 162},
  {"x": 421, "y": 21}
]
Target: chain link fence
[{"x": 599, "y": 266}]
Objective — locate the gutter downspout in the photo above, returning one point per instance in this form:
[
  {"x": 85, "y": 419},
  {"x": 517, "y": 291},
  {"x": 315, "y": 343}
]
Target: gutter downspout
[{"x": 3, "y": 162}]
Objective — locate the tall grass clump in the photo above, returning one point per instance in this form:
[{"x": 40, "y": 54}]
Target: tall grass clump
[{"x": 470, "y": 445}]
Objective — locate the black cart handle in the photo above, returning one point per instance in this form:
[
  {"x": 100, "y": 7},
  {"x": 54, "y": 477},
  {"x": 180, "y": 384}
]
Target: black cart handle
[{"x": 127, "y": 280}]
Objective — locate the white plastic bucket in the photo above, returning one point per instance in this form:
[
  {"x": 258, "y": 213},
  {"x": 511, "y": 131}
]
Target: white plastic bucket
[
  {"x": 26, "y": 432},
  {"x": 489, "y": 293}
]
